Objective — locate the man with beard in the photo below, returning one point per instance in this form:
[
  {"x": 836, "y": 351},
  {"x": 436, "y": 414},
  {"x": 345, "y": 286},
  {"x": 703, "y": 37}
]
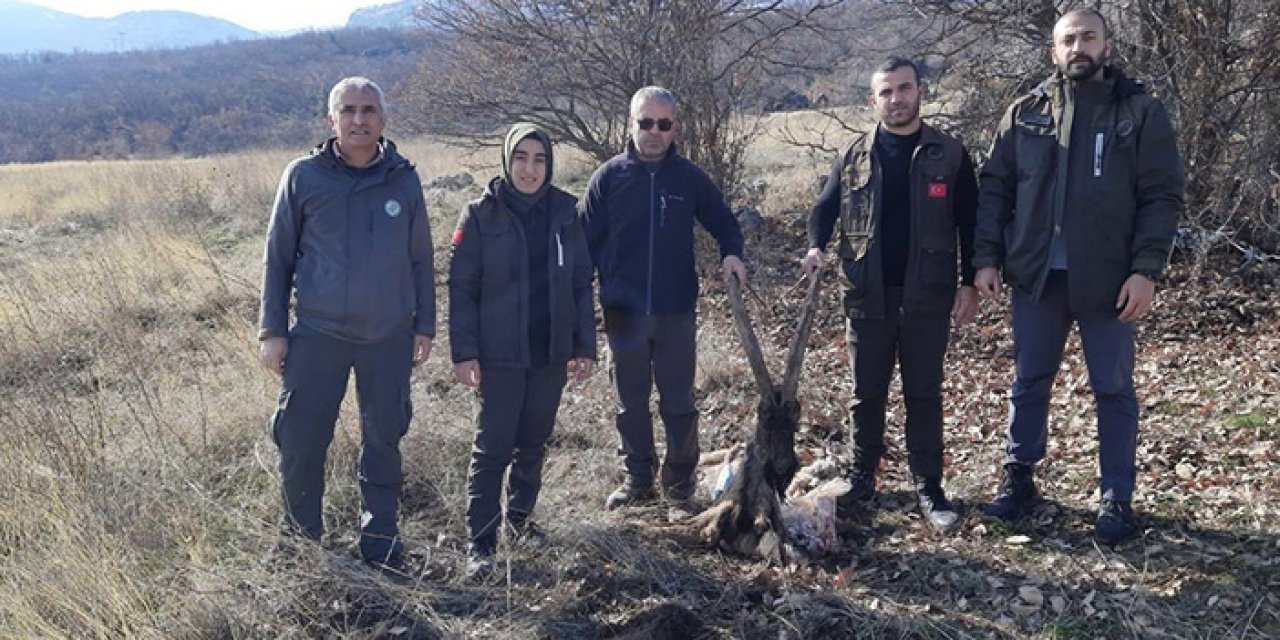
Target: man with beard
[
  {"x": 905, "y": 198},
  {"x": 1078, "y": 207}
]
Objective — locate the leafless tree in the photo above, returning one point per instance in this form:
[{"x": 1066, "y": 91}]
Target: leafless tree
[
  {"x": 1215, "y": 63},
  {"x": 571, "y": 66}
]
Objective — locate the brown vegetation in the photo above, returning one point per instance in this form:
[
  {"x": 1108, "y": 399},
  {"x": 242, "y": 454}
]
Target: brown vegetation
[{"x": 139, "y": 498}]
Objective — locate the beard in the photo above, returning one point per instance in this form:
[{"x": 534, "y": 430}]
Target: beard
[
  {"x": 907, "y": 115},
  {"x": 1079, "y": 73}
]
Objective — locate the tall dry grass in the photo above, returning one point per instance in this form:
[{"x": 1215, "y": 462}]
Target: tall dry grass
[{"x": 139, "y": 495}]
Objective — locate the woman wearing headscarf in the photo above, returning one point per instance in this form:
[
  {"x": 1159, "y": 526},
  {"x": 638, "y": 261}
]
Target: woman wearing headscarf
[{"x": 520, "y": 318}]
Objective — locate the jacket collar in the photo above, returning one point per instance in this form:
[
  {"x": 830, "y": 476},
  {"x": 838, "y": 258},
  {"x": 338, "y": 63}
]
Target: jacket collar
[
  {"x": 928, "y": 135},
  {"x": 634, "y": 156},
  {"x": 388, "y": 157},
  {"x": 1122, "y": 85},
  {"x": 553, "y": 200}
]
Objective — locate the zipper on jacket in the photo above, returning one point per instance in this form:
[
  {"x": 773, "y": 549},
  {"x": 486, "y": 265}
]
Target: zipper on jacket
[
  {"x": 1062, "y": 162},
  {"x": 648, "y": 305},
  {"x": 559, "y": 251}
]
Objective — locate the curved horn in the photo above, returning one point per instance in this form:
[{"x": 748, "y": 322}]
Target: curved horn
[
  {"x": 748, "y": 336},
  {"x": 795, "y": 357}
]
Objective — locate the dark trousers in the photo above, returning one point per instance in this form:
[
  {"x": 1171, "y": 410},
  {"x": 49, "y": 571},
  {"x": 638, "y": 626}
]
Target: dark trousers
[
  {"x": 661, "y": 349},
  {"x": 1039, "y": 335},
  {"x": 918, "y": 344},
  {"x": 315, "y": 381},
  {"x": 517, "y": 414}
]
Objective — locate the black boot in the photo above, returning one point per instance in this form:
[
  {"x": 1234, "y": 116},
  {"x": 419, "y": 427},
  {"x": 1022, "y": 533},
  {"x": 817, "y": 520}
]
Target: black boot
[
  {"x": 1115, "y": 523},
  {"x": 480, "y": 559},
  {"x": 934, "y": 505},
  {"x": 628, "y": 494},
  {"x": 862, "y": 480},
  {"x": 1017, "y": 493}
]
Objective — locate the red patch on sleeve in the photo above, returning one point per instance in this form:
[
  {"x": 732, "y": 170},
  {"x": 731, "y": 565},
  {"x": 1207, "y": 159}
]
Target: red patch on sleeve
[
  {"x": 937, "y": 189},
  {"x": 457, "y": 236}
]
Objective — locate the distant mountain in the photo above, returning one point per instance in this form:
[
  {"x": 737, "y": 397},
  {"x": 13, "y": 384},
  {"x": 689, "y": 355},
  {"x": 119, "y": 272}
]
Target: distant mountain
[
  {"x": 195, "y": 101},
  {"x": 395, "y": 15},
  {"x": 31, "y": 28}
]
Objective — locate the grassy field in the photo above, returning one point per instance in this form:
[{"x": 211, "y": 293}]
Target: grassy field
[{"x": 139, "y": 497}]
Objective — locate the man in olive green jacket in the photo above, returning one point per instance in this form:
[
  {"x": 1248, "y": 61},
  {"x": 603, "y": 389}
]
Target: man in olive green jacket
[{"x": 1078, "y": 206}]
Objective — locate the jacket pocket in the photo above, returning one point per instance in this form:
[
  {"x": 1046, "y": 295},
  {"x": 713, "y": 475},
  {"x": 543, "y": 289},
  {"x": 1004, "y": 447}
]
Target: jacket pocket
[
  {"x": 938, "y": 268},
  {"x": 1037, "y": 150},
  {"x": 319, "y": 288},
  {"x": 855, "y": 214}
]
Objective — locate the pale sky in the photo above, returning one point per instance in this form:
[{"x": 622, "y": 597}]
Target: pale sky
[{"x": 258, "y": 15}]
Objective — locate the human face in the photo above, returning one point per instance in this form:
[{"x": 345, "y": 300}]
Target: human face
[
  {"x": 529, "y": 166},
  {"x": 1080, "y": 46},
  {"x": 652, "y": 145},
  {"x": 358, "y": 121},
  {"x": 896, "y": 96}
]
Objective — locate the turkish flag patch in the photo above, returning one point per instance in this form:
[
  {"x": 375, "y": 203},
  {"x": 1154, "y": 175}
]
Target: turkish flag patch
[
  {"x": 937, "y": 189},
  {"x": 457, "y": 236}
]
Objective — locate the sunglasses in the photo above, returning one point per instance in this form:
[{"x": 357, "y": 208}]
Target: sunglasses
[{"x": 664, "y": 124}]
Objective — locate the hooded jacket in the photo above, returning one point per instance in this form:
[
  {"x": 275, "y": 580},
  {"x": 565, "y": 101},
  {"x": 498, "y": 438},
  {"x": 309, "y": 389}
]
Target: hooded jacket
[
  {"x": 489, "y": 279},
  {"x": 639, "y": 223},
  {"x": 1125, "y": 219},
  {"x": 352, "y": 246}
]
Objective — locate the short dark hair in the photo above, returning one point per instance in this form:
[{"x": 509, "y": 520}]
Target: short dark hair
[
  {"x": 1085, "y": 11},
  {"x": 893, "y": 63}
]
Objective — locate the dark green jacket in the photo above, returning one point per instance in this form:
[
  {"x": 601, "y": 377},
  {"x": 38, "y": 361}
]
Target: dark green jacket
[
  {"x": 489, "y": 282},
  {"x": 1126, "y": 219},
  {"x": 936, "y": 224}
]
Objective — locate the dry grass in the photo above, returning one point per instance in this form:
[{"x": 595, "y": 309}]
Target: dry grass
[{"x": 138, "y": 494}]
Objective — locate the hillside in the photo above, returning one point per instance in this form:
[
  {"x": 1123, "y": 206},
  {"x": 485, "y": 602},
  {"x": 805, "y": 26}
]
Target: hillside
[
  {"x": 140, "y": 494},
  {"x": 193, "y": 101},
  {"x": 29, "y": 28}
]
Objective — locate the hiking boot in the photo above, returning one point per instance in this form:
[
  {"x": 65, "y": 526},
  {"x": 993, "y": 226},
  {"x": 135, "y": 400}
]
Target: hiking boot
[
  {"x": 862, "y": 481},
  {"x": 934, "y": 505},
  {"x": 682, "y": 492},
  {"x": 629, "y": 494},
  {"x": 479, "y": 561},
  {"x": 1115, "y": 523},
  {"x": 526, "y": 532},
  {"x": 1017, "y": 493}
]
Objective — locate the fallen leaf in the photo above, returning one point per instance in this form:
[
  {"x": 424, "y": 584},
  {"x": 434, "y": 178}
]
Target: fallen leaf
[
  {"x": 1031, "y": 595},
  {"x": 1058, "y": 603}
]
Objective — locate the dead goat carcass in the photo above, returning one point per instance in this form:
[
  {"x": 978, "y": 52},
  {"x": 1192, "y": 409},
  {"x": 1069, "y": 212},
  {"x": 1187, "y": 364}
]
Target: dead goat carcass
[{"x": 748, "y": 517}]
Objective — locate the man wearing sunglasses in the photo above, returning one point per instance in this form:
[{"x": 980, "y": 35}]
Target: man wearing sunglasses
[
  {"x": 638, "y": 213},
  {"x": 904, "y": 197}
]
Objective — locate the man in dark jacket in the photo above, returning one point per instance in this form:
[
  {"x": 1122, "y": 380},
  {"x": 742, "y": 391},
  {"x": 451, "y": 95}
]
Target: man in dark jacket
[
  {"x": 638, "y": 213},
  {"x": 350, "y": 242},
  {"x": 520, "y": 313},
  {"x": 905, "y": 198},
  {"x": 1078, "y": 207}
]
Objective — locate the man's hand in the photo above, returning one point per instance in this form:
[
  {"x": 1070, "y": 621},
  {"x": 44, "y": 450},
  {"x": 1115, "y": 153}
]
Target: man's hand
[
  {"x": 987, "y": 282},
  {"x": 733, "y": 266},
  {"x": 812, "y": 260},
  {"x": 467, "y": 372},
  {"x": 1136, "y": 297},
  {"x": 581, "y": 368},
  {"x": 421, "y": 349},
  {"x": 965, "y": 306},
  {"x": 272, "y": 352}
]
